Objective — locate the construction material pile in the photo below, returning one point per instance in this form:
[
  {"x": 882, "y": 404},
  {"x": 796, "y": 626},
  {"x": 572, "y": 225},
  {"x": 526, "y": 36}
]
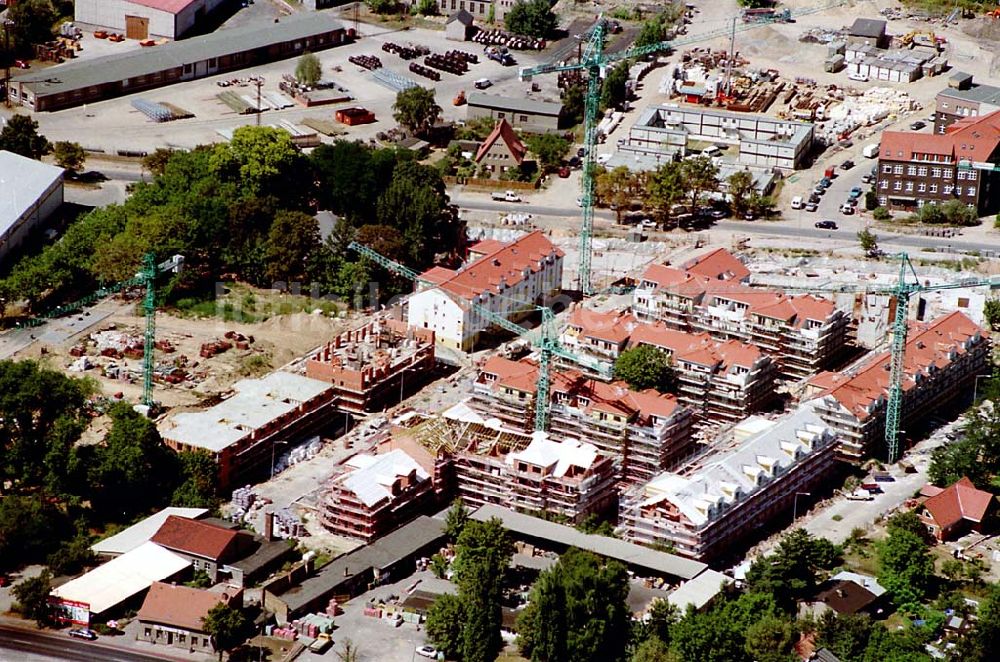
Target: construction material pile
[{"x": 869, "y": 108}]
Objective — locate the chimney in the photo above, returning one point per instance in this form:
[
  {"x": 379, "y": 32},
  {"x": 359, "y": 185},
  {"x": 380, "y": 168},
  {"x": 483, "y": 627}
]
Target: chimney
[{"x": 268, "y": 526}]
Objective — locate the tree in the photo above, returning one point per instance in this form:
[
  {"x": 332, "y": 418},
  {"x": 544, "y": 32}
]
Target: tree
[
  {"x": 482, "y": 555},
  {"x": 614, "y": 88},
  {"x": 708, "y": 637},
  {"x": 740, "y": 189},
  {"x": 905, "y": 567},
  {"x": 665, "y": 189},
  {"x": 770, "y": 639},
  {"x": 700, "y": 176},
  {"x": 156, "y": 161},
  {"x": 427, "y": 8},
  {"x": 991, "y": 311},
  {"x": 760, "y": 206},
  {"x": 69, "y": 155},
  {"x": 871, "y": 200},
  {"x": 792, "y": 571},
  {"x": 577, "y": 611},
  {"x": 444, "y": 624},
  {"x": 653, "y": 31},
  {"x": 292, "y": 241},
  {"x": 616, "y": 187},
  {"x": 30, "y": 527},
  {"x": 549, "y": 148},
  {"x": 32, "y": 23},
  {"x": 348, "y": 652},
  {"x": 200, "y": 474},
  {"x": 846, "y": 636},
  {"x": 72, "y": 556},
  {"x": 645, "y": 367},
  {"x": 262, "y": 161},
  {"x": 226, "y": 626},
  {"x": 653, "y": 650},
  {"x": 573, "y": 102},
  {"x": 383, "y": 6},
  {"x": 533, "y": 18},
  {"x": 308, "y": 71},
  {"x": 455, "y": 520},
  {"x": 20, "y": 135},
  {"x": 32, "y": 596},
  {"x": 959, "y": 459},
  {"x": 881, "y": 214},
  {"x": 416, "y": 110},
  {"x": 754, "y": 4},
  {"x": 868, "y": 240}
]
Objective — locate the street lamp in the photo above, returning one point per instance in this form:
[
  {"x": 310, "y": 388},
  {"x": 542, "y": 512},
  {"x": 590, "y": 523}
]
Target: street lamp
[
  {"x": 795, "y": 504},
  {"x": 272, "y": 455},
  {"x": 259, "y": 82}
]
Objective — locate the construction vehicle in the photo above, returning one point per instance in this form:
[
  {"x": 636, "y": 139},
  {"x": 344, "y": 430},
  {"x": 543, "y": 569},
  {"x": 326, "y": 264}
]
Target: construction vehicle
[
  {"x": 546, "y": 341},
  {"x": 459, "y": 99},
  {"x": 145, "y": 278},
  {"x": 902, "y": 292},
  {"x": 499, "y": 55}
]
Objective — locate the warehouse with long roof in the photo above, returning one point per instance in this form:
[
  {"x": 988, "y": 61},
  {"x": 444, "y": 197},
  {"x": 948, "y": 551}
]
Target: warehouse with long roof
[{"x": 87, "y": 81}]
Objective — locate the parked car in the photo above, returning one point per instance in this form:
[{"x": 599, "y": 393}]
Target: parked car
[
  {"x": 819, "y": 190},
  {"x": 916, "y": 126},
  {"x": 797, "y": 202},
  {"x": 861, "y": 78},
  {"x": 855, "y": 192},
  {"x": 814, "y": 198},
  {"x": 575, "y": 162},
  {"x": 867, "y": 179},
  {"x": 83, "y": 633},
  {"x": 811, "y": 206},
  {"x": 22, "y": 64},
  {"x": 506, "y": 196},
  {"x": 483, "y": 83},
  {"x": 826, "y": 225},
  {"x": 648, "y": 223},
  {"x": 718, "y": 214},
  {"x": 825, "y": 182},
  {"x": 932, "y": 117},
  {"x": 427, "y": 651},
  {"x": 847, "y": 165},
  {"x": 846, "y": 209},
  {"x": 853, "y": 202},
  {"x": 564, "y": 172}
]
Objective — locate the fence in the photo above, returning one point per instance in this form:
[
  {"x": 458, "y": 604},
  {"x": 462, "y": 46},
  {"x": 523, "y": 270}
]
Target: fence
[{"x": 491, "y": 183}]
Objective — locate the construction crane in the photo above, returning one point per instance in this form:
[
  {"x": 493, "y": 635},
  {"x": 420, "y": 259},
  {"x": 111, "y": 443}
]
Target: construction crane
[
  {"x": 902, "y": 291},
  {"x": 547, "y": 341},
  {"x": 593, "y": 60},
  {"x": 146, "y": 278}
]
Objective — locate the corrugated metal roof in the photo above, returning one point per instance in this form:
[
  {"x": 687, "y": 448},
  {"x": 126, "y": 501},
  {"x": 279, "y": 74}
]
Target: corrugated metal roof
[
  {"x": 515, "y": 105},
  {"x": 612, "y": 548},
  {"x": 147, "y": 61},
  {"x": 141, "y": 532},
  {"x": 22, "y": 182}
]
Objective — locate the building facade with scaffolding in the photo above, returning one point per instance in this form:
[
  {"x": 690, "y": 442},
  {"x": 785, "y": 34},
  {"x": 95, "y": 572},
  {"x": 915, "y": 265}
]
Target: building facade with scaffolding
[{"x": 375, "y": 365}]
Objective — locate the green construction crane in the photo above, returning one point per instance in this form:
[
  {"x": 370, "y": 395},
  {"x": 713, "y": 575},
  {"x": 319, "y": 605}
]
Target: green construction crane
[
  {"x": 902, "y": 291},
  {"x": 146, "y": 278},
  {"x": 594, "y": 61},
  {"x": 547, "y": 341}
]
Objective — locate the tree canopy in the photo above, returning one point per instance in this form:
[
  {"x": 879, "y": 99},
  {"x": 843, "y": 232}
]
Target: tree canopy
[
  {"x": 549, "y": 148},
  {"x": 416, "y": 109},
  {"x": 227, "y": 626},
  {"x": 32, "y": 23},
  {"x": 308, "y": 70},
  {"x": 20, "y": 136},
  {"x": 792, "y": 572},
  {"x": 482, "y": 555},
  {"x": 69, "y": 155},
  {"x": 905, "y": 566},
  {"x": 645, "y": 367},
  {"x": 533, "y": 18}
]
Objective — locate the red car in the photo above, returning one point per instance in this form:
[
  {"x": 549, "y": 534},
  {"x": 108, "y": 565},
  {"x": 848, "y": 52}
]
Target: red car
[
  {"x": 21, "y": 64},
  {"x": 564, "y": 172}
]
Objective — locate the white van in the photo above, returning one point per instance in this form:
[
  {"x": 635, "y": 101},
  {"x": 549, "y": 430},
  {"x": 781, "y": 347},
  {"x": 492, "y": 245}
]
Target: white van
[
  {"x": 870, "y": 151},
  {"x": 797, "y": 202}
]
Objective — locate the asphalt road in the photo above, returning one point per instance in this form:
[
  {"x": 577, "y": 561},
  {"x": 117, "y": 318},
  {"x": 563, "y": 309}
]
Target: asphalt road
[
  {"x": 886, "y": 242},
  {"x": 20, "y": 645}
]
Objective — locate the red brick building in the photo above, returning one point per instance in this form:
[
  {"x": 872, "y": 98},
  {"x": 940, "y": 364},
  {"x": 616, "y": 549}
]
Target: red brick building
[
  {"x": 950, "y": 512},
  {"x": 962, "y": 164}
]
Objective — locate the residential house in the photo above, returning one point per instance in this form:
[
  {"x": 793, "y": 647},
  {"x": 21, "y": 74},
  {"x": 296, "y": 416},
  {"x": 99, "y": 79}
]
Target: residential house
[
  {"x": 459, "y": 26},
  {"x": 173, "y": 615},
  {"x": 941, "y": 361},
  {"x": 962, "y": 98},
  {"x": 502, "y": 150},
  {"x": 208, "y": 547},
  {"x": 963, "y": 163},
  {"x": 848, "y": 593},
  {"x": 948, "y": 513}
]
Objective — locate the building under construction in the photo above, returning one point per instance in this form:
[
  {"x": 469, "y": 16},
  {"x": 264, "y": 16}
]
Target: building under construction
[
  {"x": 941, "y": 362},
  {"x": 646, "y": 431},
  {"x": 803, "y": 333},
  {"x": 374, "y": 366}
]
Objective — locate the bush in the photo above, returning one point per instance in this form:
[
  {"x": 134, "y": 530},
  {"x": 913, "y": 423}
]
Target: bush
[{"x": 881, "y": 214}]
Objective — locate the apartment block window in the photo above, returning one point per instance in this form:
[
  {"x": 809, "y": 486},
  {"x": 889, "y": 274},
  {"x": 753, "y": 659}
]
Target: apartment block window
[
  {"x": 933, "y": 188},
  {"x": 948, "y": 188},
  {"x": 897, "y": 185},
  {"x": 922, "y": 187},
  {"x": 971, "y": 175},
  {"x": 898, "y": 169},
  {"x": 922, "y": 171},
  {"x": 961, "y": 174},
  {"x": 946, "y": 173},
  {"x": 970, "y": 190},
  {"x": 886, "y": 168},
  {"x": 911, "y": 170},
  {"x": 884, "y": 183},
  {"x": 883, "y": 200},
  {"x": 935, "y": 172},
  {"x": 909, "y": 187}
]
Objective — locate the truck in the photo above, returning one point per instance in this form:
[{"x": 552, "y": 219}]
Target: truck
[
  {"x": 499, "y": 55},
  {"x": 870, "y": 151},
  {"x": 506, "y": 196}
]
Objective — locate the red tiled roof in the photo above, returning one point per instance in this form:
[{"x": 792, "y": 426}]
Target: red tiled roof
[
  {"x": 613, "y": 327},
  {"x": 486, "y": 246},
  {"x": 719, "y": 264},
  {"x": 957, "y": 502},
  {"x": 675, "y": 280},
  {"x": 698, "y": 348},
  {"x": 505, "y": 264},
  {"x": 503, "y": 131},
  {"x": 928, "y": 344},
  {"x": 178, "y": 606},
  {"x": 972, "y": 138},
  {"x": 169, "y": 6},
  {"x": 194, "y": 537}
]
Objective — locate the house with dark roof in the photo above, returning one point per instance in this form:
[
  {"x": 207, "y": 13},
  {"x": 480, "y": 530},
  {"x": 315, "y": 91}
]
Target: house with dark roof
[
  {"x": 845, "y": 597},
  {"x": 870, "y": 31},
  {"x": 502, "y": 149},
  {"x": 173, "y": 615},
  {"x": 964, "y": 97},
  {"x": 950, "y": 512},
  {"x": 207, "y": 546},
  {"x": 525, "y": 114},
  {"x": 459, "y": 26}
]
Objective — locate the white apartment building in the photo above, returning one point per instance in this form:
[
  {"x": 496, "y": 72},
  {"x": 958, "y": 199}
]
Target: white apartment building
[{"x": 506, "y": 279}]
